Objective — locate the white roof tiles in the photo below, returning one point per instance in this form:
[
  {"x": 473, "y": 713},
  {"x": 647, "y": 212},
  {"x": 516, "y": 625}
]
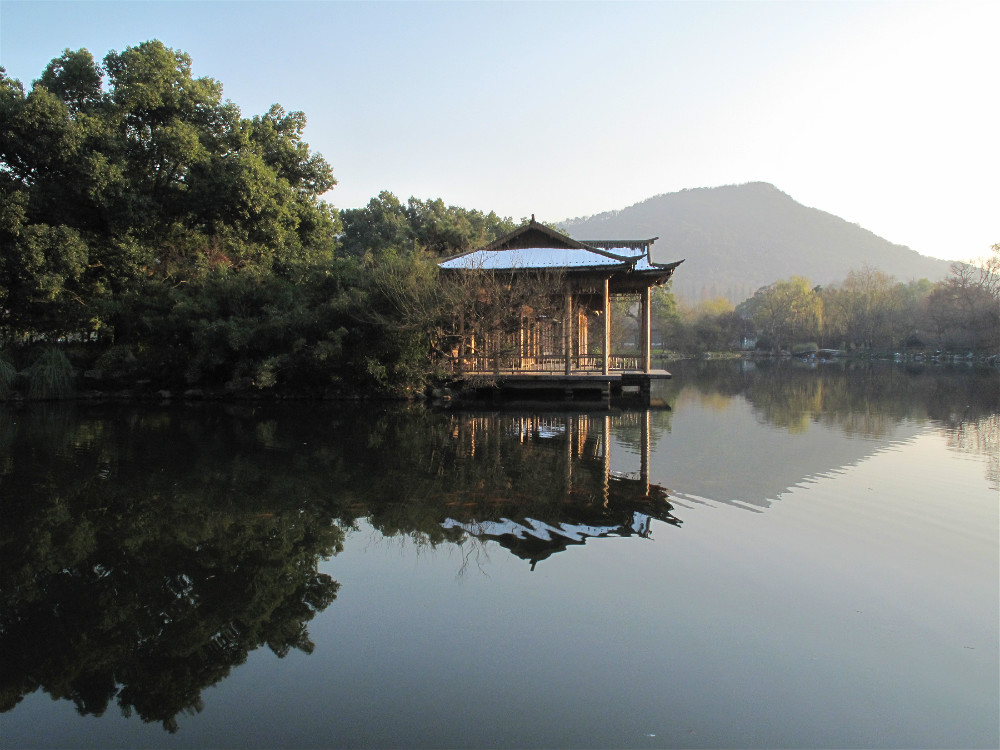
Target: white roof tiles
[
  {"x": 625, "y": 252},
  {"x": 533, "y": 257},
  {"x": 611, "y": 255}
]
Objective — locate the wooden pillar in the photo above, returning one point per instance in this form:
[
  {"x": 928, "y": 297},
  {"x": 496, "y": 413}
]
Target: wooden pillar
[
  {"x": 606, "y": 442},
  {"x": 570, "y": 423},
  {"x": 644, "y": 450},
  {"x": 521, "y": 341},
  {"x": 461, "y": 342},
  {"x": 606, "y": 349},
  {"x": 568, "y": 332},
  {"x": 647, "y": 358}
]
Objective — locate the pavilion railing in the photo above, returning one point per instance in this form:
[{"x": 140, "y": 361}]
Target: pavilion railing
[{"x": 546, "y": 364}]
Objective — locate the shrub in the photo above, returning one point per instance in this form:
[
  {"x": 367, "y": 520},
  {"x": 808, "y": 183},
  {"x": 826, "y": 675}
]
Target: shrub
[{"x": 117, "y": 361}]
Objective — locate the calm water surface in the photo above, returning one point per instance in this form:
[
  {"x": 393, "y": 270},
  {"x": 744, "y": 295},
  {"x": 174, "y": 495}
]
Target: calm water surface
[{"x": 772, "y": 557}]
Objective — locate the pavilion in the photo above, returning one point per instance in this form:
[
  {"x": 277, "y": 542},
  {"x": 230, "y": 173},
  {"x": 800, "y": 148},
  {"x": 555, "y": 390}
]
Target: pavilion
[{"x": 563, "y": 328}]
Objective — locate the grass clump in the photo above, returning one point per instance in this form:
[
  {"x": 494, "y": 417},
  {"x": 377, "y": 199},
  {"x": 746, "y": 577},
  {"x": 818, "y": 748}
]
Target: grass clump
[
  {"x": 51, "y": 376},
  {"x": 8, "y": 374}
]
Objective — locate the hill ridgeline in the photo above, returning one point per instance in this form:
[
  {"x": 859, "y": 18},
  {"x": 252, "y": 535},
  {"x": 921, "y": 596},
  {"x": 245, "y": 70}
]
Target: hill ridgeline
[{"x": 738, "y": 238}]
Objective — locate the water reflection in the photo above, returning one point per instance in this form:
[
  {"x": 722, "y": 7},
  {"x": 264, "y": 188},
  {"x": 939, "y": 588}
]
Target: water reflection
[
  {"x": 146, "y": 551},
  {"x": 866, "y": 399},
  {"x": 819, "y": 420},
  {"x": 125, "y": 577},
  {"x": 979, "y": 437}
]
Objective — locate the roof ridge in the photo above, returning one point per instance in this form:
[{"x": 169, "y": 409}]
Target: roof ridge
[{"x": 532, "y": 224}]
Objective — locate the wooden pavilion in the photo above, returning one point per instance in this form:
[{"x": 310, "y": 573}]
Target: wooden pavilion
[{"x": 556, "y": 294}]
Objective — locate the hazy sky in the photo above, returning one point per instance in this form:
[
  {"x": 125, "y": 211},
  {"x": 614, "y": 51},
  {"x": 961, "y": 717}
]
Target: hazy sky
[{"x": 884, "y": 113}]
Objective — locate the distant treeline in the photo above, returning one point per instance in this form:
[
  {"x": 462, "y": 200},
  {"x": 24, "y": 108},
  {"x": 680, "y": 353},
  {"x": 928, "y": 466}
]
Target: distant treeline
[
  {"x": 867, "y": 312},
  {"x": 153, "y": 237}
]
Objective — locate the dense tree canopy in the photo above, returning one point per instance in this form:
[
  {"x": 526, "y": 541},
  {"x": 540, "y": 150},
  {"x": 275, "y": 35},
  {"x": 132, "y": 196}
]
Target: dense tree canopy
[
  {"x": 386, "y": 223},
  {"x": 130, "y": 173}
]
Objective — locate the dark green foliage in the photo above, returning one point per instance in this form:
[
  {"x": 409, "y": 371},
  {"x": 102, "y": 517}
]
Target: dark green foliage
[
  {"x": 246, "y": 332},
  {"x": 335, "y": 330},
  {"x": 154, "y": 181},
  {"x": 385, "y": 223},
  {"x": 117, "y": 361}
]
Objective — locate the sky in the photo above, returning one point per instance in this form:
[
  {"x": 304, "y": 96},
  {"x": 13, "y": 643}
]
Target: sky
[{"x": 886, "y": 114}]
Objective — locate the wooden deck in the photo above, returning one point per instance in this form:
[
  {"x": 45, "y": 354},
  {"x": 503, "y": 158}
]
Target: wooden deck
[{"x": 590, "y": 387}]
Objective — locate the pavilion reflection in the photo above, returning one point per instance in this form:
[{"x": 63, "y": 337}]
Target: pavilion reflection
[{"x": 538, "y": 484}]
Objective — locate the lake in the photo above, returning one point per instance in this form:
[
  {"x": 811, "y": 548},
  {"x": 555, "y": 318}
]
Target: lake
[{"x": 775, "y": 555}]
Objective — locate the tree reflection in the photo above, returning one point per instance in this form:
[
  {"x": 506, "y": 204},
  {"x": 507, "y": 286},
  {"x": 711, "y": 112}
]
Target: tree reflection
[
  {"x": 137, "y": 581},
  {"x": 979, "y": 437},
  {"x": 866, "y": 399}
]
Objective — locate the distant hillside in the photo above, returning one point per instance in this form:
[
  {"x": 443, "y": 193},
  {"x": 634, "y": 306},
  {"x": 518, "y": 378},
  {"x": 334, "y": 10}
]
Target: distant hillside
[{"x": 738, "y": 238}]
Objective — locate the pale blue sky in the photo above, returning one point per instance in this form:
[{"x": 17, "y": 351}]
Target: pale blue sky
[{"x": 883, "y": 113}]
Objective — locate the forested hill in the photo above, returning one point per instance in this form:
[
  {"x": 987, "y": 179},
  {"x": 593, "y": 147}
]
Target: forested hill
[{"x": 738, "y": 238}]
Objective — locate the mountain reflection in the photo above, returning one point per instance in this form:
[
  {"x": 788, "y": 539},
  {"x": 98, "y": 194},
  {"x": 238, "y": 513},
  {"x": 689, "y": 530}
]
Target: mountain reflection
[{"x": 745, "y": 432}]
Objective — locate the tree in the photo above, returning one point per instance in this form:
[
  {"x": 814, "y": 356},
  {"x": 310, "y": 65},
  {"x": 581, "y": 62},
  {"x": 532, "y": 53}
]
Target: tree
[
  {"x": 785, "y": 311},
  {"x": 864, "y": 310},
  {"x": 75, "y": 79},
  {"x": 119, "y": 177},
  {"x": 964, "y": 309},
  {"x": 665, "y": 315},
  {"x": 380, "y": 225},
  {"x": 386, "y": 223},
  {"x": 871, "y": 309},
  {"x": 975, "y": 289}
]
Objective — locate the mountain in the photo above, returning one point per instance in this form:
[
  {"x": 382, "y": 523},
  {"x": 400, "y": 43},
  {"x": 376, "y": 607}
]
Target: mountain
[{"x": 738, "y": 238}]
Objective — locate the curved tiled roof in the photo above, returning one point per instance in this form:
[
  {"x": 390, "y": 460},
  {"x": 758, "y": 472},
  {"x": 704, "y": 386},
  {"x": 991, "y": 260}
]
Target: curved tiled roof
[
  {"x": 534, "y": 246},
  {"x": 526, "y": 258}
]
